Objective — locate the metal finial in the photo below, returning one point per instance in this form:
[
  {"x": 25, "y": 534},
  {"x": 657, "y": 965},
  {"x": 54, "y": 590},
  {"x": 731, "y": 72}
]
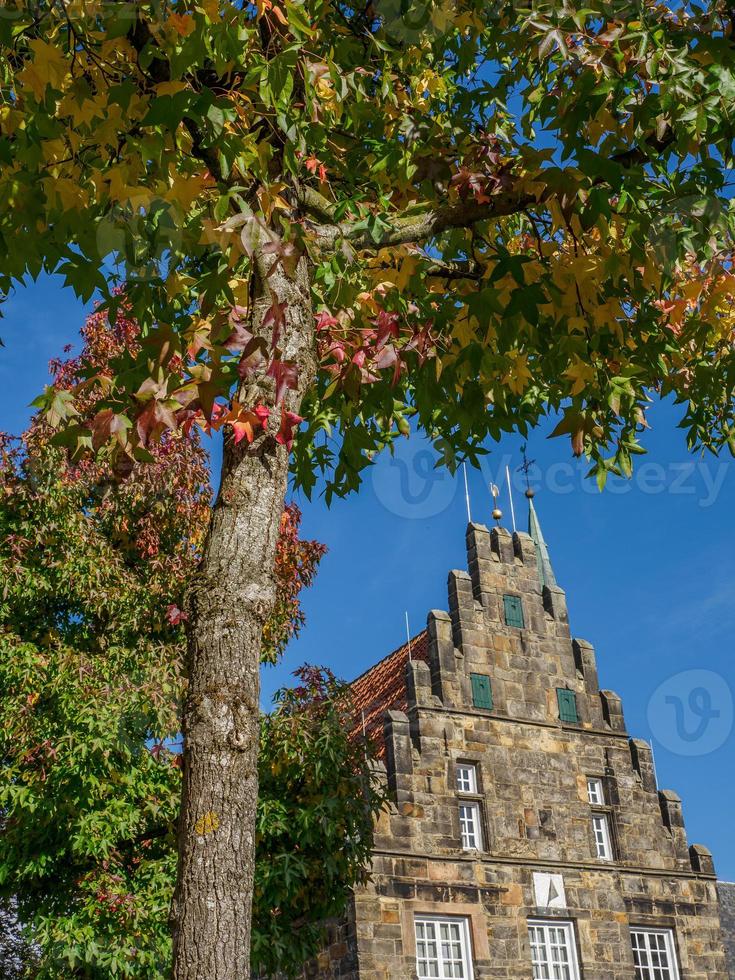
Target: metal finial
[
  {"x": 497, "y": 512},
  {"x": 525, "y": 468}
]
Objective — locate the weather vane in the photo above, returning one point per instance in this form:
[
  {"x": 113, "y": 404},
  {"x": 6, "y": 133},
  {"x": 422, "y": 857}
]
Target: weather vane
[
  {"x": 525, "y": 468},
  {"x": 497, "y": 512}
]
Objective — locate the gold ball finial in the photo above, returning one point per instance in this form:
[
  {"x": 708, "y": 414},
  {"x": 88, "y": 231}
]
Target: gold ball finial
[
  {"x": 497, "y": 512},
  {"x": 530, "y": 493}
]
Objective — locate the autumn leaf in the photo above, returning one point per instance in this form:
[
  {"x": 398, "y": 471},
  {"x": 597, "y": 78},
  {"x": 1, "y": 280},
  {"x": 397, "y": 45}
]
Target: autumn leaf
[
  {"x": 48, "y": 67},
  {"x": 275, "y": 318},
  {"x": 289, "y": 421},
  {"x": 285, "y": 374}
]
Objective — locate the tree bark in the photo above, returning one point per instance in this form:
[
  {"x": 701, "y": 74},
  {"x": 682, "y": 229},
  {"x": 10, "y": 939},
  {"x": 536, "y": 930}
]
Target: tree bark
[{"x": 233, "y": 595}]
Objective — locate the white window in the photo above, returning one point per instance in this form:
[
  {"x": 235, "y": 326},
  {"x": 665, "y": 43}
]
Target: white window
[
  {"x": 442, "y": 947},
  {"x": 601, "y": 831},
  {"x": 466, "y": 777},
  {"x": 553, "y": 953},
  {"x": 469, "y": 826},
  {"x": 595, "y": 792},
  {"x": 654, "y": 955}
]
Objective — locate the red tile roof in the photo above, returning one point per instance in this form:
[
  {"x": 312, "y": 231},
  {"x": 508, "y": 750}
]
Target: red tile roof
[{"x": 383, "y": 687}]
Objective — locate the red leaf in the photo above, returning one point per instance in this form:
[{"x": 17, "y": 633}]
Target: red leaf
[
  {"x": 245, "y": 423},
  {"x": 285, "y": 374},
  {"x": 387, "y": 324},
  {"x": 252, "y": 358},
  {"x": 275, "y": 317},
  {"x": 153, "y": 421},
  {"x": 325, "y": 320},
  {"x": 240, "y": 336},
  {"x": 175, "y": 615},
  {"x": 285, "y": 433},
  {"x": 104, "y": 425}
]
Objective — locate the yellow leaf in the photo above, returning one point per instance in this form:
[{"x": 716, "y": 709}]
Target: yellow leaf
[
  {"x": 580, "y": 374},
  {"x": 210, "y": 8},
  {"x": 185, "y": 190},
  {"x": 49, "y": 67},
  {"x": 170, "y": 88},
  {"x": 183, "y": 24},
  {"x": 463, "y": 331},
  {"x": 518, "y": 376},
  {"x": 408, "y": 267}
]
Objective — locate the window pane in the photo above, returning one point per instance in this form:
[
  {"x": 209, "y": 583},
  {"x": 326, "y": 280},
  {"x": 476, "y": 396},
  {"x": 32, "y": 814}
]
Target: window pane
[
  {"x": 653, "y": 954},
  {"x": 466, "y": 778},
  {"x": 552, "y": 951},
  {"x": 469, "y": 826},
  {"x": 602, "y": 837},
  {"x": 442, "y": 948},
  {"x": 595, "y": 792}
]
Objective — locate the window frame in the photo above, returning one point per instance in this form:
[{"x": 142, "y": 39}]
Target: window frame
[
  {"x": 474, "y": 806},
  {"x": 518, "y": 621},
  {"x": 567, "y": 926},
  {"x": 604, "y": 842},
  {"x": 670, "y": 949},
  {"x": 465, "y": 941},
  {"x": 471, "y": 768},
  {"x": 599, "y": 791}
]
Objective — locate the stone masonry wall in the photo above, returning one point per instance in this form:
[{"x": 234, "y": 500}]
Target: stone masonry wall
[
  {"x": 536, "y": 816},
  {"x": 726, "y": 892}
]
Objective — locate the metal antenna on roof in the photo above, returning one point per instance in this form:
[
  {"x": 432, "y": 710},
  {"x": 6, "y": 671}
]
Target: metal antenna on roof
[
  {"x": 510, "y": 497},
  {"x": 408, "y": 637},
  {"x": 467, "y": 493},
  {"x": 363, "y": 723}
]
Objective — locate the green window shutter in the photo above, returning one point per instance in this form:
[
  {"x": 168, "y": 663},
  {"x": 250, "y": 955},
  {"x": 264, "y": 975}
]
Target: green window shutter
[
  {"x": 567, "y": 704},
  {"x": 513, "y": 611},
  {"x": 482, "y": 692}
]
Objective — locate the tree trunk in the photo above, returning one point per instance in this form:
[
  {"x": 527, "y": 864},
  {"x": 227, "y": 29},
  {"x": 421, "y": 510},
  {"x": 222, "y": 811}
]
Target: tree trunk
[{"x": 232, "y": 597}]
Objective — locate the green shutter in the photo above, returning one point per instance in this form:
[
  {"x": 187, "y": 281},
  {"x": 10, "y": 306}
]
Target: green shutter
[
  {"x": 513, "y": 611},
  {"x": 567, "y": 704},
  {"x": 482, "y": 692}
]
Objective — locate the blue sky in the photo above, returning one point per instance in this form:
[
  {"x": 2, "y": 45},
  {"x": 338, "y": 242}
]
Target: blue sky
[{"x": 648, "y": 566}]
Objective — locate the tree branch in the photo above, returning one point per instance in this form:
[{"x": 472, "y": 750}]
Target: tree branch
[
  {"x": 455, "y": 270},
  {"x": 315, "y": 203},
  {"x": 414, "y": 228}
]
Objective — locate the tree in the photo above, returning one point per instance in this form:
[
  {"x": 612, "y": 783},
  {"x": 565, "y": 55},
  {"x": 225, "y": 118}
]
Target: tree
[
  {"x": 16, "y": 954},
  {"x": 91, "y": 636},
  {"x": 347, "y": 220}
]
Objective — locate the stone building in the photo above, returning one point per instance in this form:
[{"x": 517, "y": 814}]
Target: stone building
[
  {"x": 726, "y": 892},
  {"x": 528, "y": 837}
]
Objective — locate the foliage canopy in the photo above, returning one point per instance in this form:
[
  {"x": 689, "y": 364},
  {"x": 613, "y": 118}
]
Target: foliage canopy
[{"x": 508, "y": 208}]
